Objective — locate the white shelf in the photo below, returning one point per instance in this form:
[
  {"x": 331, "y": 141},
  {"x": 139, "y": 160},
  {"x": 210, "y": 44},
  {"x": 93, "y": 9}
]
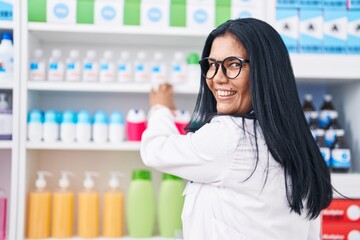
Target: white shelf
[
  {"x": 6, "y": 84},
  {"x": 125, "y": 146},
  {"x": 7, "y": 144},
  {"x": 347, "y": 184},
  {"x": 9, "y": 25}
]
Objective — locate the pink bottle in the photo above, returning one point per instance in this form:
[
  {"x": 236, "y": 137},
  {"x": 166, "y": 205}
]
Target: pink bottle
[
  {"x": 3, "y": 205},
  {"x": 135, "y": 124},
  {"x": 182, "y": 119}
]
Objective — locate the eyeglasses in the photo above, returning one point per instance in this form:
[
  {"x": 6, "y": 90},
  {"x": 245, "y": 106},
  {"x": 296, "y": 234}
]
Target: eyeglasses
[{"x": 231, "y": 66}]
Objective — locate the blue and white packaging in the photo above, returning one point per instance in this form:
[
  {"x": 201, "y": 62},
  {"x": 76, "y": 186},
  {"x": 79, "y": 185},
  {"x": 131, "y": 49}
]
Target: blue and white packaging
[
  {"x": 287, "y": 3},
  {"x": 311, "y": 31},
  {"x": 155, "y": 13},
  {"x": 142, "y": 68},
  {"x": 354, "y": 4},
  {"x": 109, "y": 12},
  {"x": 73, "y": 66},
  {"x": 100, "y": 127},
  {"x": 287, "y": 24},
  {"x": 335, "y": 31},
  {"x": 200, "y": 14},
  {"x": 158, "y": 71},
  {"x": 238, "y": 11},
  {"x": 107, "y": 67},
  {"x": 67, "y": 127},
  {"x": 37, "y": 66},
  {"x": 61, "y": 11},
  {"x": 124, "y": 69},
  {"x": 116, "y": 127},
  {"x": 353, "y": 28},
  {"x": 83, "y": 127},
  {"x": 90, "y": 71},
  {"x": 35, "y": 126},
  {"x": 335, "y": 4},
  {"x": 310, "y": 4},
  {"x": 6, "y": 10},
  {"x": 56, "y": 66},
  {"x": 51, "y": 126}
]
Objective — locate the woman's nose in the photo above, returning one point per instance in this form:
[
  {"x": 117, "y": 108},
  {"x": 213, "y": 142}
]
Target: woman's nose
[{"x": 220, "y": 77}]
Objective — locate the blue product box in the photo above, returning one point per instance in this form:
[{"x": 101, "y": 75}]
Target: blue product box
[
  {"x": 353, "y": 41},
  {"x": 335, "y": 31},
  {"x": 335, "y": 4},
  {"x": 354, "y": 4},
  {"x": 287, "y": 3},
  {"x": 287, "y": 24},
  {"x": 6, "y": 10},
  {"x": 311, "y": 31},
  {"x": 313, "y": 4}
]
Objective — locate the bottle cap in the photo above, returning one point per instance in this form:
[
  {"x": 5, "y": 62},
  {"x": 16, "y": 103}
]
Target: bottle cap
[
  {"x": 308, "y": 97},
  {"x": 68, "y": 116},
  {"x": 114, "y": 180},
  {"x": 108, "y": 54},
  {"x": 56, "y": 53},
  {"x": 6, "y": 35},
  {"x": 64, "y": 182},
  {"x": 74, "y": 53},
  {"x": 193, "y": 58},
  {"x": 141, "y": 55},
  {"x": 100, "y": 117},
  {"x": 136, "y": 115},
  {"x": 117, "y": 118},
  {"x": 327, "y": 98},
  {"x": 38, "y": 53},
  {"x": 40, "y": 181},
  {"x": 170, "y": 177},
  {"x": 89, "y": 181},
  {"x": 83, "y": 117},
  {"x": 91, "y": 54},
  {"x": 124, "y": 55},
  {"x": 51, "y": 116},
  {"x": 35, "y": 116},
  {"x": 158, "y": 56},
  {"x": 141, "y": 174},
  {"x": 314, "y": 115},
  {"x": 178, "y": 56}
]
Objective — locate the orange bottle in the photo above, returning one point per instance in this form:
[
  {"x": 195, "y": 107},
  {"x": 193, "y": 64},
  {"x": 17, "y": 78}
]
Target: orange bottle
[
  {"x": 38, "y": 224},
  {"x": 88, "y": 209},
  {"x": 113, "y": 217},
  {"x": 63, "y": 209}
]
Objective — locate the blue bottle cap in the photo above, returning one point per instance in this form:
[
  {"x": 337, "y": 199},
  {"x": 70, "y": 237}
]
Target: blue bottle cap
[
  {"x": 51, "y": 116},
  {"x": 84, "y": 117},
  {"x": 100, "y": 117},
  {"x": 68, "y": 116},
  {"x": 117, "y": 118},
  {"x": 6, "y": 35},
  {"x": 35, "y": 116}
]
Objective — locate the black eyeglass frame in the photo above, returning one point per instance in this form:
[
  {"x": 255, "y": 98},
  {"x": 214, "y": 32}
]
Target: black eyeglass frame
[{"x": 223, "y": 68}]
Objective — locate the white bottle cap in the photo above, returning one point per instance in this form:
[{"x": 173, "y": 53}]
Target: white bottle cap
[
  {"x": 141, "y": 55},
  {"x": 40, "y": 181},
  {"x": 38, "y": 53},
  {"x": 64, "y": 182},
  {"x": 308, "y": 97},
  {"x": 158, "y": 56},
  {"x": 314, "y": 115},
  {"x": 108, "y": 54},
  {"x": 74, "y": 53},
  {"x": 124, "y": 55},
  {"x": 91, "y": 54},
  {"x": 114, "y": 180},
  {"x": 88, "y": 181},
  {"x": 56, "y": 53},
  {"x": 179, "y": 56},
  {"x": 327, "y": 97}
]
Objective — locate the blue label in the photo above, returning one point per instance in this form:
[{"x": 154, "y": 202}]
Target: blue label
[
  {"x": 71, "y": 66},
  {"x": 176, "y": 68},
  {"x": 156, "y": 69},
  {"x": 154, "y": 14},
  {"x": 245, "y": 14},
  {"x": 108, "y": 13},
  {"x": 122, "y": 67},
  {"x": 2, "y": 70},
  {"x": 61, "y": 10},
  {"x": 34, "y": 66},
  {"x": 6, "y": 12},
  {"x": 200, "y": 16},
  {"x": 88, "y": 66},
  {"x": 53, "y": 66},
  {"x": 140, "y": 68},
  {"x": 104, "y": 67}
]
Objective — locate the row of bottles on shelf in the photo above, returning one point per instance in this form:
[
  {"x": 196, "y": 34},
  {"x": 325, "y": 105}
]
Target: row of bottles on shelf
[
  {"x": 6, "y": 117},
  {"x": 3, "y": 214},
  {"x": 70, "y": 126},
  {"x": 328, "y": 133},
  {"x": 6, "y": 57},
  {"x": 143, "y": 69},
  {"x": 52, "y": 214}
]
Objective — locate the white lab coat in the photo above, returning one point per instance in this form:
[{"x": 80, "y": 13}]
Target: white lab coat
[{"x": 224, "y": 198}]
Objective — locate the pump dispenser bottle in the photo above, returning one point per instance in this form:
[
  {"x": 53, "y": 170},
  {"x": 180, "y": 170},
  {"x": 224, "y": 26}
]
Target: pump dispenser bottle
[
  {"x": 88, "y": 208},
  {"x": 39, "y": 209},
  {"x": 63, "y": 209},
  {"x": 113, "y": 219}
]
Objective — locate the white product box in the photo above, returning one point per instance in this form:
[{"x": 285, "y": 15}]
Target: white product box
[
  {"x": 335, "y": 31},
  {"x": 61, "y": 11},
  {"x": 353, "y": 44},
  {"x": 238, "y": 11},
  {"x": 155, "y": 13},
  {"x": 109, "y": 12},
  {"x": 287, "y": 24},
  {"x": 200, "y": 14},
  {"x": 311, "y": 30}
]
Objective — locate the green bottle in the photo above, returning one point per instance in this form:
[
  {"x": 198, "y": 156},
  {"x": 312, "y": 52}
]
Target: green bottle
[
  {"x": 140, "y": 207},
  {"x": 170, "y": 206}
]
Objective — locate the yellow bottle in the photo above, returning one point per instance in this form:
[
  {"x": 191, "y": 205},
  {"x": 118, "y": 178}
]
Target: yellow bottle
[
  {"x": 113, "y": 217},
  {"x": 38, "y": 224},
  {"x": 63, "y": 209},
  {"x": 88, "y": 209}
]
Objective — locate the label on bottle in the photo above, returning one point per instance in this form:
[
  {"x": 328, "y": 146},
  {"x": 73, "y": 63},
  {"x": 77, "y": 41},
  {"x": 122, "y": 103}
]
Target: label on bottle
[
  {"x": 73, "y": 71},
  {"x": 325, "y": 117},
  {"x": 341, "y": 158},
  {"x": 56, "y": 71},
  {"x": 90, "y": 72},
  {"x": 37, "y": 71},
  {"x": 325, "y": 152},
  {"x": 141, "y": 73},
  {"x": 330, "y": 136},
  {"x": 178, "y": 74},
  {"x": 107, "y": 72},
  {"x": 158, "y": 76},
  {"x": 308, "y": 115},
  {"x": 124, "y": 72}
]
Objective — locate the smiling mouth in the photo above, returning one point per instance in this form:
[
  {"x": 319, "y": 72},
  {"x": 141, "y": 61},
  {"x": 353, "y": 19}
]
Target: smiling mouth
[{"x": 221, "y": 93}]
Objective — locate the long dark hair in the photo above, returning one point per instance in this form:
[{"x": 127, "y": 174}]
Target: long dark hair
[{"x": 278, "y": 111}]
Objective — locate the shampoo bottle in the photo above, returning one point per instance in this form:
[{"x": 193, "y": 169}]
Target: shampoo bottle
[
  {"x": 113, "y": 219},
  {"x": 35, "y": 126},
  {"x": 83, "y": 127},
  {"x": 51, "y": 126},
  {"x": 100, "y": 127},
  {"x": 88, "y": 209},
  {"x": 63, "y": 209},
  {"x": 3, "y": 214},
  {"x": 67, "y": 127},
  {"x": 116, "y": 127},
  {"x": 39, "y": 209}
]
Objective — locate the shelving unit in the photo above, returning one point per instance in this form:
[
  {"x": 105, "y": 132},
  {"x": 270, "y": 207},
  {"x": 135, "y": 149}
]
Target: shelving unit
[{"x": 6, "y": 144}]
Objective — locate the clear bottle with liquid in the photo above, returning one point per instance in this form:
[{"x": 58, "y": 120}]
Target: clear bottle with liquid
[
  {"x": 107, "y": 67},
  {"x": 193, "y": 70},
  {"x": 308, "y": 106},
  {"x": 56, "y": 66},
  {"x": 142, "y": 68},
  {"x": 6, "y": 57},
  {"x": 340, "y": 154},
  {"x": 178, "y": 69},
  {"x": 125, "y": 70},
  {"x": 326, "y": 111},
  {"x": 73, "y": 66},
  {"x": 90, "y": 71},
  {"x": 158, "y": 71},
  {"x": 37, "y": 66}
]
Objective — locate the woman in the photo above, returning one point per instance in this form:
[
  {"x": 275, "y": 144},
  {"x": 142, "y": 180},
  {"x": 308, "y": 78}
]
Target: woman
[{"x": 254, "y": 168}]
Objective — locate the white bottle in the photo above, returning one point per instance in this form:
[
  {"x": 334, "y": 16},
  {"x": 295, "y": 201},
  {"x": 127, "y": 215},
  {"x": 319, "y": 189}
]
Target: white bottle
[
  {"x": 107, "y": 67},
  {"x": 51, "y": 126},
  {"x": 73, "y": 67},
  {"x": 35, "y": 126},
  {"x": 56, "y": 67},
  {"x": 158, "y": 71},
  {"x": 178, "y": 69},
  {"x": 100, "y": 127},
  {"x": 67, "y": 127},
  {"x": 83, "y": 127},
  {"x": 116, "y": 127},
  {"x": 141, "y": 72},
  {"x": 5, "y": 117},
  {"x": 37, "y": 66},
  {"x": 124, "y": 71},
  {"x": 90, "y": 67},
  {"x": 6, "y": 57},
  {"x": 193, "y": 71}
]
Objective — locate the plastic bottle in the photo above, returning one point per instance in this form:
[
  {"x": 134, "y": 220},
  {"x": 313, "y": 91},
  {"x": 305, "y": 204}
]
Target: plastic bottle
[
  {"x": 308, "y": 106},
  {"x": 170, "y": 206},
  {"x": 340, "y": 154},
  {"x": 35, "y": 126},
  {"x": 3, "y": 214},
  {"x": 100, "y": 127},
  {"x": 5, "y": 116},
  {"x": 182, "y": 118},
  {"x": 158, "y": 71},
  {"x": 56, "y": 66},
  {"x": 116, "y": 127},
  {"x": 67, "y": 127},
  {"x": 142, "y": 71},
  {"x": 88, "y": 208},
  {"x": 331, "y": 129},
  {"x": 326, "y": 110},
  {"x": 83, "y": 127},
  {"x": 124, "y": 73},
  {"x": 324, "y": 148},
  {"x": 193, "y": 70},
  {"x": 313, "y": 123},
  {"x": 90, "y": 67},
  {"x": 113, "y": 219},
  {"x": 63, "y": 209},
  {"x": 107, "y": 67},
  {"x": 140, "y": 207},
  {"x": 51, "y": 126},
  {"x": 6, "y": 57},
  {"x": 73, "y": 66},
  {"x": 39, "y": 209},
  {"x": 135, "y": 124},
  {"x": 178, "y": 69},
  {"x": 37, "y": 66}
]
